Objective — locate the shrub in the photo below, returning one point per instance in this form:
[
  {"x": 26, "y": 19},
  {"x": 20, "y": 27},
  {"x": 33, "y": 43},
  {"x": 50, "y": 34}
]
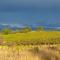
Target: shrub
[
  {"x": 39, "y": 28},
  {"x": 25, "y": 29},
  {"x": 6, "y": 31}
]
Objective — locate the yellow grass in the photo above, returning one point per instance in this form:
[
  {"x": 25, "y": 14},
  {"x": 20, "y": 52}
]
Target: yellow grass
[
  {"x": 27, "y": 52},
  {"x": 12, "y": 53},
  {"x": 33, "y": 36}
]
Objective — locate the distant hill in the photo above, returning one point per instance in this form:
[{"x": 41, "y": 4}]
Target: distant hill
[{"x": 14, "y": 27}]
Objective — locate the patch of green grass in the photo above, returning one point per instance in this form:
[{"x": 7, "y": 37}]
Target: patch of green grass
[{"x": 37, "y": 37}]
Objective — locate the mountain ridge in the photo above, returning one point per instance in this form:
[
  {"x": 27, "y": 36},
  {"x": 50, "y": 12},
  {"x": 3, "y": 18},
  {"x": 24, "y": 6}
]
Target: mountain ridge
[{"x": 13, "y": 27}]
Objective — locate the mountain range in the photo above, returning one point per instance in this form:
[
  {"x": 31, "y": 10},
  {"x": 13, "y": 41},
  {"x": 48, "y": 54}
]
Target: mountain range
[{"x": 14, "y": 27}]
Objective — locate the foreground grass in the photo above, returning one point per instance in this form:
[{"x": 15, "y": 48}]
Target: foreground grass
[
  {"x": 36, "y": 52},
  {"x": 28, "y": 46}
]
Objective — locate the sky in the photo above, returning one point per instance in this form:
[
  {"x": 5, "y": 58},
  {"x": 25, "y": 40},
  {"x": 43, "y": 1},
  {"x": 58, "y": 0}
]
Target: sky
[{"x": 30, "y": 12}]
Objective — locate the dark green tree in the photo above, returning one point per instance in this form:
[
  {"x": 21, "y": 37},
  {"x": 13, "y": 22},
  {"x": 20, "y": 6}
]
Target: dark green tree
[
  {"x": 25, "y": 29},
  {"x": 6, "y": 31},
  {"x": 39, "y": 28}
]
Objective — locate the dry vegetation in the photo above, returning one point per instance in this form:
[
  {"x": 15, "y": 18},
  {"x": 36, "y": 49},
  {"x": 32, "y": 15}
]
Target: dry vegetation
[
  {"x": 39, "y": 45},
  {"x": 43, "y": 52}
]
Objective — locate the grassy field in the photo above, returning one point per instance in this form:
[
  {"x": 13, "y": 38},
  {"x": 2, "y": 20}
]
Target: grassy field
[
  {"x": 43, "y": 52},
  {"x": 41, "y": 37},
  {"x": 43, "y": 45}
]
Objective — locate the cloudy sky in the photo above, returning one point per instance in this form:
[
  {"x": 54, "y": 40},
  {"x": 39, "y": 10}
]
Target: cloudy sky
[{"x": 41, "y": 12}]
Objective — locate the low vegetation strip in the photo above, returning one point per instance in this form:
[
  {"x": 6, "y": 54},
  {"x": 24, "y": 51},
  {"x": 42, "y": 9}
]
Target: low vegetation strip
[{"x": 33, "y": 38}]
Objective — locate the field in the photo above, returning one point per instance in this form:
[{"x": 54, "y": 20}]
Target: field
[
  {"x": 43, "y": 52},
  {"x": 36, "y": 38},
  {"x": 35, "y": 45}
]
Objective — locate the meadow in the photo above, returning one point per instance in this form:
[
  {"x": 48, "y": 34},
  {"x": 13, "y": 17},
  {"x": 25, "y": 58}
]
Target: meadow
[
  {"x": 34, "y": 45},
  {"x": 34, "y": 38}
]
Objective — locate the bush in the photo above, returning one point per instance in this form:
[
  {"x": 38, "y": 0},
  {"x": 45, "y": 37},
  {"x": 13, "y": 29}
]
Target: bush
[
  {"x": 25, "y": 29},
  {"x": 6, "y": 31},
  {"x": 39, "y": 28}
]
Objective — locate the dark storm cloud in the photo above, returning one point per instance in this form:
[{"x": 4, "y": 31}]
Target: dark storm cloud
[
  {"x": 16, "y": 4},
  {"x": 27, "y": 8}
]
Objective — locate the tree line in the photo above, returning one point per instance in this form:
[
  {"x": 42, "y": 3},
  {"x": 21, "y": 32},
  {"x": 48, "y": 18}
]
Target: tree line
[{"x": 21, "y": 30}]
